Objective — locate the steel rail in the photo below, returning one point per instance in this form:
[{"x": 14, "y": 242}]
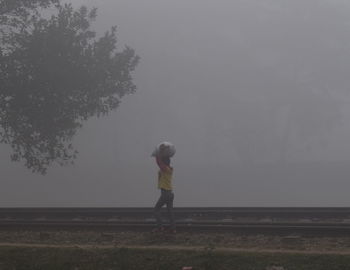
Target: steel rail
[
  {"x": 190, "y": 214},
  {"x": 256, "y": 228},
  {"x": 243, "y": 211},
  {"x": 285, "y": 220}
]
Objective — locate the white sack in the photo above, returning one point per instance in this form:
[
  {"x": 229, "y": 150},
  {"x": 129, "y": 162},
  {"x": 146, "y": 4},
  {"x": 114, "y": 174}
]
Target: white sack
[{"x": 167, "y": 151}]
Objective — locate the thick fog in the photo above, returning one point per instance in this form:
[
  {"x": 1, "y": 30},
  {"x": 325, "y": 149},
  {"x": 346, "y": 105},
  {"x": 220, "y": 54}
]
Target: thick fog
[{"x": 254, "y": 95}]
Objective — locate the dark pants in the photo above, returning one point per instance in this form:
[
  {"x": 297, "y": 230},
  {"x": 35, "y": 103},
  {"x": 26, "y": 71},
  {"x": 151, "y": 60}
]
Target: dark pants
[{"x": 166, "y": 198}]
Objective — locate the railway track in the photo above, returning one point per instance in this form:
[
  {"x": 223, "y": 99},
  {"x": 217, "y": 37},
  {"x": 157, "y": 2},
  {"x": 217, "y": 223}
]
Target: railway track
[{"x": 324, "y": 221}]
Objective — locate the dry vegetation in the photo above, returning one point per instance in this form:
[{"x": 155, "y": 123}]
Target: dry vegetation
[{"x": 130, "y": 250}]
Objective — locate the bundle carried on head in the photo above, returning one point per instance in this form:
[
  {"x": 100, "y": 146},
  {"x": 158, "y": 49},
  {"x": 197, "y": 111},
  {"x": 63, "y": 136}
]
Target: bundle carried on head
[{"x": 164, "y": 149}]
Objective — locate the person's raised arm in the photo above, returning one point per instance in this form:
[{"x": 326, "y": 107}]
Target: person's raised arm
[{"x": 161, "y": 164}]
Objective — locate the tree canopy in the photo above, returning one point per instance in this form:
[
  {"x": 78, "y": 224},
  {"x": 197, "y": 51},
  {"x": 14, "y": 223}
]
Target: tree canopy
[{"x": 55, "y": 74}]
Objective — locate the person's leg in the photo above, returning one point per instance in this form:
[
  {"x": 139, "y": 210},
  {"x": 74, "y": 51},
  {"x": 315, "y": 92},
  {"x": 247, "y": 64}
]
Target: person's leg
[
  {"x": 161, "y": 201},
  {"x": 170, "y": 207}
]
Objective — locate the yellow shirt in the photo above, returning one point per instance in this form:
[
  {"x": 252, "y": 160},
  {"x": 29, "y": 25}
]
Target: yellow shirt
[{"x": 165, "y": 178}]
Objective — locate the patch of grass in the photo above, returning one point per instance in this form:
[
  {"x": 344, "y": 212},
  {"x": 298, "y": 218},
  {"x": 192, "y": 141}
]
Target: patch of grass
[{"x": 29, "y": 258}]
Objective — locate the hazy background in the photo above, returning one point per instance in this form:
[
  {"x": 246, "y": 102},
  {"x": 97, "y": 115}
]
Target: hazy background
[{"x": 253, "y": 93}]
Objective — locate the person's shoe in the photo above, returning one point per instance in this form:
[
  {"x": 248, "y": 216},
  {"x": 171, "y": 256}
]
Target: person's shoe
[{"x": 158, "y": 230}]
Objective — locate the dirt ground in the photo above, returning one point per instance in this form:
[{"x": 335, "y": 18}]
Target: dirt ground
[{"x": 218, "y": 241}]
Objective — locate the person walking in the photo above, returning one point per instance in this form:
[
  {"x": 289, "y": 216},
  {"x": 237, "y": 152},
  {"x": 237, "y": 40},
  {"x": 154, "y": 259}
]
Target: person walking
[{"x": 165, "y": 175}]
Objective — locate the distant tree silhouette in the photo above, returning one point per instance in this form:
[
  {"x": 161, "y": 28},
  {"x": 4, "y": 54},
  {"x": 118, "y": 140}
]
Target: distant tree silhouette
[
  {"x": 271, "y": 130},
  {"x": 55, "y": 74}
]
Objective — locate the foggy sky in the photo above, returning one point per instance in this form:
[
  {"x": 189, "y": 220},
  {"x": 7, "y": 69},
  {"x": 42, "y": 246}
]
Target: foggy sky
[{"x": 214, "y": 77}]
